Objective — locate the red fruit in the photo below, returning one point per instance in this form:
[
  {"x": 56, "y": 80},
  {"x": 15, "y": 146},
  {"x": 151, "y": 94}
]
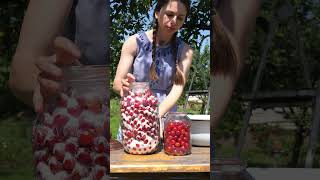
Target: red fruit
[
  {"x": 84, "y": 156},
  {"x": 101, "y": 160},
  {"x": 58, "y": 151},
  {"x": 99, "y": 172},
  {"x": 138, "y": 94},
  {"x": 71, "y": 145},
  {"x": 178, "y": 133},
  {"x": 100, "y": 144},
  {"x": 172, "y": 142},
  {"x": 68, "y": 162},
  {"x": 136, "y": 105},
  {"x": 62, "y": 100},
  {"x": 177, "y": 144},
  {"x": 41, "y": 156},
  {"x": 54, "y": 165},
  {"x": 51, "y": 142},
  {"x": 60, "y": 120},
  {"x": 39, "y": 135},
  {"x": 85, "y": 139}
]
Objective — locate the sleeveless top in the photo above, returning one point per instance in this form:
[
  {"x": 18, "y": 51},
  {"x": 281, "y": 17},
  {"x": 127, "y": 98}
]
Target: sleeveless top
[
  {"x": 165, "y": 65},
  {"x": 87, "y": 26}
]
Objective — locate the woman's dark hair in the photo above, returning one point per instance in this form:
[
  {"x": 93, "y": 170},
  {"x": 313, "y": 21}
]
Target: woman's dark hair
[
  {"x": 225, "y": 59},
  {"x": 178, "y": 77}
]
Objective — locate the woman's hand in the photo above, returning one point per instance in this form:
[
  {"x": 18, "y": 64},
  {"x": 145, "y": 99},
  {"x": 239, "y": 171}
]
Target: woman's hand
[
  {"x": 66, "y": 53},
  {"x": 126, "y": 82}
]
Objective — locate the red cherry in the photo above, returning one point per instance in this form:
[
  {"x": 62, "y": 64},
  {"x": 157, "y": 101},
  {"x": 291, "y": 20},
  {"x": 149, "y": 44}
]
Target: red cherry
[
  {"x": 84, "y": 157},
  {"x": 71, "y": 147},
  {"x": 60, "y": 120},
  {"x": 172, "y": 142},
  {"x": 85, "y": 139},
  {"x": 68, "y": 162},
  {"x": 101, "y": 160}
]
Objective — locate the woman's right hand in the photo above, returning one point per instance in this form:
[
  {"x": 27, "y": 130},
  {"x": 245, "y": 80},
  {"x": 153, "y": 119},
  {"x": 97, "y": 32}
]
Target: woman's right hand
[
  {"x": 126, "y": 82},
  {"x": 66, "y": 53}
]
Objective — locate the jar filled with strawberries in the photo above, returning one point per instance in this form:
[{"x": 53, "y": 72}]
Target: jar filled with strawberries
[
  {"x": 139, "y": 120},
  {"x": 70, "y": 138},
  {"x": 177, "y": 140}
]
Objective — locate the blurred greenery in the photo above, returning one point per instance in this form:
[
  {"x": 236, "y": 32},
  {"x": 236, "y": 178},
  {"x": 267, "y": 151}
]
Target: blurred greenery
[{"x": 297, "y": 21}]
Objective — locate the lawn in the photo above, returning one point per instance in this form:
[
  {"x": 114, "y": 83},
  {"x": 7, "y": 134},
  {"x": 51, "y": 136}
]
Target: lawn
[{"x": 15, "y": 149}]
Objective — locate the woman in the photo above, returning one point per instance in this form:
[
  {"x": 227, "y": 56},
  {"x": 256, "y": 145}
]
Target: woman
[{"x": 158, "y": 56}]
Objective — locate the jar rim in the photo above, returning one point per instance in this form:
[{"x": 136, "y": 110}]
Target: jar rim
[
  {"x": 176, "y": 112},
  {"x": 135, "y": 83},
  {"x": 86, "y": 67}
]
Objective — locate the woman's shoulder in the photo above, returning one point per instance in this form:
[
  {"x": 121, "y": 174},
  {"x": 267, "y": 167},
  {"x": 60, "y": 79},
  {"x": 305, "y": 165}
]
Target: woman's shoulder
[{"x": 184, "y": 45}]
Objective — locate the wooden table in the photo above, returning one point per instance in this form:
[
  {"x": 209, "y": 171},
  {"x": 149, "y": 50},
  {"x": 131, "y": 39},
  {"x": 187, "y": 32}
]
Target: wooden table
[{"x": 196, "y": 164}]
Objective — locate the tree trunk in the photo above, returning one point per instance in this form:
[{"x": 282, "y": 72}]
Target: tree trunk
[{"x": 299, "y": 138}]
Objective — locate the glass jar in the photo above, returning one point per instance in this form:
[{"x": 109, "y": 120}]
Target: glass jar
[
  {"x": 140, "y": 123},
  {"x": 177, "y": 139},
  {"x": 70, "y": 139}
]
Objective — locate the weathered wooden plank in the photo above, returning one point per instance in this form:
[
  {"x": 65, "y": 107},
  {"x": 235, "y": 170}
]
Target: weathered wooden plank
[
  {"x": 281, "y": 103},
  {"x": 305, "y": 94},
  {"x": 198, "y": 161},
  {"x": 197, "y": 92}
]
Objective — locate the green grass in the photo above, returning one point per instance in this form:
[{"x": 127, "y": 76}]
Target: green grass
[
  {"x": 15, "y": 149},
  {"x": 114, "y": 116}
]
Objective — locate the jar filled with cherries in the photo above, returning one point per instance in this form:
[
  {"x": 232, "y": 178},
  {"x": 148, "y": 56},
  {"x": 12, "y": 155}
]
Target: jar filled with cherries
[
  {"x": 177, "y": 140},
  {"x": 139, "y": 120},
  {"x": 70, "y": 138}
]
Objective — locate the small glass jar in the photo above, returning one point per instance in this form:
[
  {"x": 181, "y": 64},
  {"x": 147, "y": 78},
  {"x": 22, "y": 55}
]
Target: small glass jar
[
  {"x": 70, "y": 139},
  {"x": 139, "y": 120},
  {"x": 177, "y": 139}
]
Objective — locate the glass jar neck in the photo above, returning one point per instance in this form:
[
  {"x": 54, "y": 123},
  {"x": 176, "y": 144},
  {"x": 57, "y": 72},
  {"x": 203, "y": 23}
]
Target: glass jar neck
[
  {"x": 177, "y": 115},
  {"x": 86, "y": 73},
  {"x": 136, "y": 86}
]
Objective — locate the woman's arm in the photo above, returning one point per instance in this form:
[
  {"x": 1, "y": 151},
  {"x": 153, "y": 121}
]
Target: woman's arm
[
  {"x": 128, "y": 52},
  {"x": 43, "y": 21},
  {"x": 176, "y": 89}
]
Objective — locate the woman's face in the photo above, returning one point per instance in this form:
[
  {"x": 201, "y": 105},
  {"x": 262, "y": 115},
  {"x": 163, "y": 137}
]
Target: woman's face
[{"x": 171, "y": 17}]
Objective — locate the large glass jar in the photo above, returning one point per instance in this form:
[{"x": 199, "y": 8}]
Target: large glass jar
[
  {"x": 70, "y": 139},
  {"x": 140, "y": 123},
  {"x": 177, "y": 140}
]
